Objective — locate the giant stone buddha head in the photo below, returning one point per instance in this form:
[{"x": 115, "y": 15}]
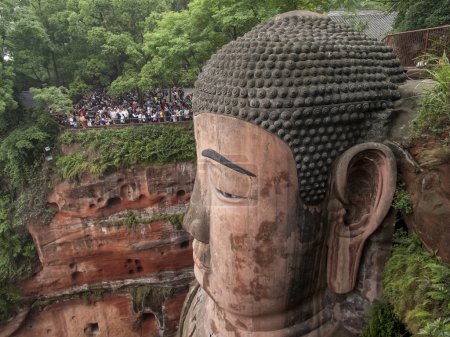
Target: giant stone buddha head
[{"x": 288, "y": 189}]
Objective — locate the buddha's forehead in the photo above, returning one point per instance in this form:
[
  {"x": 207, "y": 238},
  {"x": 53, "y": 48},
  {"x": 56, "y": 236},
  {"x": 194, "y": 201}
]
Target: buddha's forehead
[
  {"x": 316, "y": 85},
  {"x": 245, "y": 144}
]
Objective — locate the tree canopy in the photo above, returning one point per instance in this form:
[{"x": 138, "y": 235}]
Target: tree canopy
[
  {"x": 126, "y": 44},
  {"x": 417, "y": 14}
]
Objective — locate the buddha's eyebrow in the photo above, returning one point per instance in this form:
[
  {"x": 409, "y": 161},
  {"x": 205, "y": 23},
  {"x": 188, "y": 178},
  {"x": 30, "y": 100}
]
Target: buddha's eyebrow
[{"x": 211, "y": 154}]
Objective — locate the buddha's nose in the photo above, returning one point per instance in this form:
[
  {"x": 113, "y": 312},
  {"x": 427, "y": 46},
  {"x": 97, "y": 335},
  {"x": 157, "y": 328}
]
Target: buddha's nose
[{"x": 196, "y": 220}]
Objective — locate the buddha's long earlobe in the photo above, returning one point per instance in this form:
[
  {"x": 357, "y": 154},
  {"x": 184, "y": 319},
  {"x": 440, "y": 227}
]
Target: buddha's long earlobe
[{"x": 363, "y": 186}]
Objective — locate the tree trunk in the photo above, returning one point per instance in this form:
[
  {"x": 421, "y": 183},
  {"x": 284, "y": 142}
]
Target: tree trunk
[{"x": 55, "y": 68}]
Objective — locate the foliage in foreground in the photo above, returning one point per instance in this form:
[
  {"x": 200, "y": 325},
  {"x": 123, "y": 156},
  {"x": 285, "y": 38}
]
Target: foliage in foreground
[
  {"x": 418, "y": 286},
  {"x": 384, "y": 322},
  {"x": 402, "y": 201},
  {"x": 23, "y": 186},
  {"x": 10, "y": 300},
  {"x": 17, "y": 253},
  {"x": 417, "y": 14},
  {"x": 107, "y": 150},
  {"x": 434, "y": 113},
  {"x": 54, "y": 98}
]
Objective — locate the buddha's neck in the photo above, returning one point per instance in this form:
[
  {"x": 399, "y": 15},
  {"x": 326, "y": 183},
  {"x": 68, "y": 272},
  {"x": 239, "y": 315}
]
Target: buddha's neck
[{"x": 312, "y": 318}]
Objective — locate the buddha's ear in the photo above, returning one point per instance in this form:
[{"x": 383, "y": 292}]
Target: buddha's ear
[{"x": 363, "y": 186}]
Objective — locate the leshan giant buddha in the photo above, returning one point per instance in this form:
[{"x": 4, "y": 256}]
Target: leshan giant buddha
[{"x": 288, "y": 191}]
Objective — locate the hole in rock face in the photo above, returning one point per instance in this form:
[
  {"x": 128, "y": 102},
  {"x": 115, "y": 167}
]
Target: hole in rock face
[
  {"x": 184, "y": 244},
  {"x": 162, "y": 253},
  {"x": 100, "y": 200},
  {"x": 91, "y": 205},
  {"x": 49, "y": 331},
  {"x": 129, "y": 260},
  {"x": 91, "y": 329},
  {"x": 148, "y": 315},
  {"x": 149, "y": 324},
  {"x": 139, "y": 269},
  {"x": 180, "y": 193},
  {"x": 131, "y": 272},
  {"x": 75, "y": 275},
  {"x": 137, "y": 261},
  {"x": 113, "y": 201},
  {"x": 120, "y": 180},
  {"x": 53, "y": 205},
  {"x": 72, "y": 265}
]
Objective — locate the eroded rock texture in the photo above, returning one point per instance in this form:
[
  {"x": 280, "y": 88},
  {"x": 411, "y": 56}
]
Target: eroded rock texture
[
  {"x": 112, "y": 235},
  {"x": 430, "y": 196},
  {"x": 423, "y": 165},
  {"x": 112, "y": 315}
]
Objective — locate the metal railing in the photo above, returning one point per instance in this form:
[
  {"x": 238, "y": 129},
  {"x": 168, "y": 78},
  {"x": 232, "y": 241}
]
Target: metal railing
[{"x": 411, "y": 45}]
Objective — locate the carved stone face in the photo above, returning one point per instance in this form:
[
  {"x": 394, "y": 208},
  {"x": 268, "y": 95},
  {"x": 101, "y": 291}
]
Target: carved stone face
[
  {"x": 275, "y": 221},
  {"x": 263, "y": 257},
  {"x": 257, "y": 250}
]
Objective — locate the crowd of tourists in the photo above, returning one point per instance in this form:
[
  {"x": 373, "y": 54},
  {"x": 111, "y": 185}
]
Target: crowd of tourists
[{"x": 162, "y": 105}]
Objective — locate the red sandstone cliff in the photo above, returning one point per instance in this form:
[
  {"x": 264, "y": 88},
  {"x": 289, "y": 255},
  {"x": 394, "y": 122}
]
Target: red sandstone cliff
[{"x": 113, "y": 262}]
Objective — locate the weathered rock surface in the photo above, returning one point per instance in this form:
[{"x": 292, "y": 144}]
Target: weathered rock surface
[
  {"x": 112, "y": 234},
  {"x": 424, "y": 167},
  {"x": 430, "y": 195},
  {"x": 113, "y": 315}
]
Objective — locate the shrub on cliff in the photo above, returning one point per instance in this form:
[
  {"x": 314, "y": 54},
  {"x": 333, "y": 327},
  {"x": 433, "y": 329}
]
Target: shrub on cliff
[
  {"x": 16, "y": 256},
  {"x": 402, "y": 201},
  {"x": 417, "y": 284},
  {"x": 23, "y": 187},
  {"x": 384, "y": 322},
  {"x": 107, "y": 150},
  {"x": 434, "y": 113}
]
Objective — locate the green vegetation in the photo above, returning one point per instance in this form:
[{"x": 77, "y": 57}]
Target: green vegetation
[
  {"x": 402, "y": 201},
  {"x": 91, "y": 296},
  {"x": 56, "y": 99},
  {"x": 23, "y": 189},
  {"x": 384, "y": 322},
  {"x": 152, "y": 297},
  {"x": 417, "y": 285},
  {"x": 16, "y": 256},
  {"x": 417, "y": 14},
  {"x": 131, "y": 220},
  {"x": 126, "y": 45},
  {"x": 434, "y": 113},
  {"x": 108, "y": 150},
  {"x": 41, "y": 304},
  {"x": 175, "y": 219},
  {"x": 10, "y": 300}
]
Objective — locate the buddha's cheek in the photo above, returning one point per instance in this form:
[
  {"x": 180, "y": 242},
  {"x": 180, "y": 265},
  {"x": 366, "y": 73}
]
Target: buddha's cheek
[{"x": 249, "y": 260}]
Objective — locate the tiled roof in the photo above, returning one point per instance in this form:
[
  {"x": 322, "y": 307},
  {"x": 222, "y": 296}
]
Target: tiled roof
[{"x": 379, "y": 23}]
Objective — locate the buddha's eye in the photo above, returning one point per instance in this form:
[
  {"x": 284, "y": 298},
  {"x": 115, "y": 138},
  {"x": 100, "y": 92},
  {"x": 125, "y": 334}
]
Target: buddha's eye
[{"x": 229, "y": 195}]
